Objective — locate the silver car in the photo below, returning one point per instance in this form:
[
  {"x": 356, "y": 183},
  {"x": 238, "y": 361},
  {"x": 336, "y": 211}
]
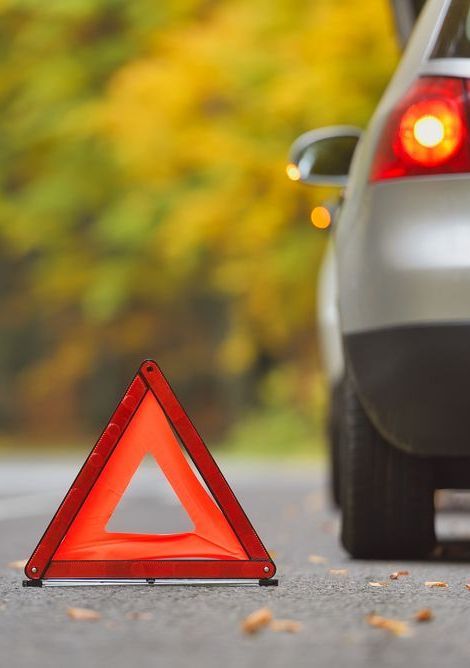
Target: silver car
[{"x": 394, "y": 306}]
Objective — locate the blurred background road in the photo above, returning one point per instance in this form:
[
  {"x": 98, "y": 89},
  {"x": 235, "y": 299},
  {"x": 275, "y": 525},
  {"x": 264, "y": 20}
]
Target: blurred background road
[{"x": 319, "y": 587}]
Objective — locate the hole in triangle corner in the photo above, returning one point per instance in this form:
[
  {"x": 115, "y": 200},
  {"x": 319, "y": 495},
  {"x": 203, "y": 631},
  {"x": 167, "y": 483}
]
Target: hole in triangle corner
[{"x": 149, "y": 505}]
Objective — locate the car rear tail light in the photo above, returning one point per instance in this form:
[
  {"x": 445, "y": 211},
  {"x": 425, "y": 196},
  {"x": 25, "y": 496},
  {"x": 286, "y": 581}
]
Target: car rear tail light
[{"x": 426, "y": 133}]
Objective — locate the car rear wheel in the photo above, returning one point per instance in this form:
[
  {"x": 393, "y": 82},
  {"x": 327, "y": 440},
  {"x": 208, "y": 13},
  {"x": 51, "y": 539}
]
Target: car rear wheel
[{"x": 386, "y": 494}]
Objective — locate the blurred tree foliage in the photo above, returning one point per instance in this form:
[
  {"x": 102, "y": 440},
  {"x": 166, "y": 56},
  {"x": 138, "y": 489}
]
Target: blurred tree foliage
[{"x": 144, "y": 208}]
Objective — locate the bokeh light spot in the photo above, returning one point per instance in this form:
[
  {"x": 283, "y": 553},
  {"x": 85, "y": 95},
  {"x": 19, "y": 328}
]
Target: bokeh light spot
[
  {"x": 293, "y": 172},
  {"x": 320, "y": 217},
  {"x": 429, "y": 131}
]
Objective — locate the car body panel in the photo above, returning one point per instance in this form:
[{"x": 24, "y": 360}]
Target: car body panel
[
  {"x": 408, "y": 255},
  {"x": 329, "y": 332}
]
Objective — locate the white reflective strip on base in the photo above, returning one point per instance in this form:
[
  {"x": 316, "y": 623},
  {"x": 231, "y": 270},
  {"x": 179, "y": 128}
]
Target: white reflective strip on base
[{"x": 83, "y": 582}]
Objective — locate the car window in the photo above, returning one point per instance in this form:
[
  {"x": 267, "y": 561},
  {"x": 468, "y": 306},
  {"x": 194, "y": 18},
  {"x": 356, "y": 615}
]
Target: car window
[
  {"x": 454, "y": 38},
  {"x": 405, "y": 13}
]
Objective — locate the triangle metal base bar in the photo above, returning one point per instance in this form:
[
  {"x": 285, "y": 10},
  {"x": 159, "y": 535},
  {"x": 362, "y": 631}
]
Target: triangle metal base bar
[{"x": 95, "y": 582}]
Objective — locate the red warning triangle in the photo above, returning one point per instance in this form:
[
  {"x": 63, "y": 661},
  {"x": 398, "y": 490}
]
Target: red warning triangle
[{"x": 148, "y": 420}]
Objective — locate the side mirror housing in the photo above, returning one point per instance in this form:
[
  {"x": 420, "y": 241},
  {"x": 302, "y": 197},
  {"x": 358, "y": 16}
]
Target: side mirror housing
[{"x": 323, "y": 157}]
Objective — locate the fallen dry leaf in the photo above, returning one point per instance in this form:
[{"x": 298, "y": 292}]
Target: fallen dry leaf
[
  {"x": 83, "y": 614},
  {"x": 141, "y": 616},
  {"x": 290, "y": 511},
  {"x": 399, "y": 574},
  {"x": 257, "y": 620},
  {"x": 424, "y": 615},
  {"x": 436, "y": 584},
  {"x": 395, "y": 626},
  {"x": 379, "y": 584},
  {"x": 285, "y": 625},
  {"x": 314, "y": 502},
  {"x": 18, "y": 565},
  {"x": 317, "y": 559},
  {"x": 328, "y": 527},
  {"x": 467, "y": 586},
  {"x": 338, "y": 571}
]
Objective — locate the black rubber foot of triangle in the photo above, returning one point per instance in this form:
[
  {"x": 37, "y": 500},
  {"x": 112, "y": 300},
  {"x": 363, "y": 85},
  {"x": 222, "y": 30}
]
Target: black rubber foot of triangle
[{"x": 32, "y": 583}]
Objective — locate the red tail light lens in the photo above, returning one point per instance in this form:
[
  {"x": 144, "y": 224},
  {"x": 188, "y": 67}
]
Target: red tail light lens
[
  {"x": 431, "y": 132},
  {"x": 426, "y": 133}
]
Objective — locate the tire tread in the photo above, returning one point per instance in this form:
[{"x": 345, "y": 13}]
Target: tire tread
[{"x": 386, "y": 494}]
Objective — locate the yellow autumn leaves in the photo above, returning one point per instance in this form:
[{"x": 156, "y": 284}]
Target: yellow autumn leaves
[{"x": 144, "y": 185}]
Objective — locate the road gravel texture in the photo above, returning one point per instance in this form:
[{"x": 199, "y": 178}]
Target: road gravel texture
[{"x": 201, "y": 626}]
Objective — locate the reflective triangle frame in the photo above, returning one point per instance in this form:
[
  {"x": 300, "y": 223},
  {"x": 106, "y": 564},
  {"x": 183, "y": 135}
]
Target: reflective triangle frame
[{"x": 255, "y": 566}]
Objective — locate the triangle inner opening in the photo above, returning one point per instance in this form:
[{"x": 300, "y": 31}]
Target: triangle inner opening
[{"x": 149, "y": 505}]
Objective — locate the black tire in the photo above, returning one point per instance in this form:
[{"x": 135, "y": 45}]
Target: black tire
[
  {"x": 386, "y": 494},
  {"x": 335, "y": 416}
]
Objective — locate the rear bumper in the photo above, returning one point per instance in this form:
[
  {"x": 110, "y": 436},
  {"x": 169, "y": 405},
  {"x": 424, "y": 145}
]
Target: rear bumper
[{"x": 414, "y": 382}]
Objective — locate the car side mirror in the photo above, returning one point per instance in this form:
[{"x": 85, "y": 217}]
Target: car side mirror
[{"x": 323, "y": 157}]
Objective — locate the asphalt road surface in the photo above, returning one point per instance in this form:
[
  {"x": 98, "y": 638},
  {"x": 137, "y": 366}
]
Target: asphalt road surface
[{"x": 200, "y": 626}]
